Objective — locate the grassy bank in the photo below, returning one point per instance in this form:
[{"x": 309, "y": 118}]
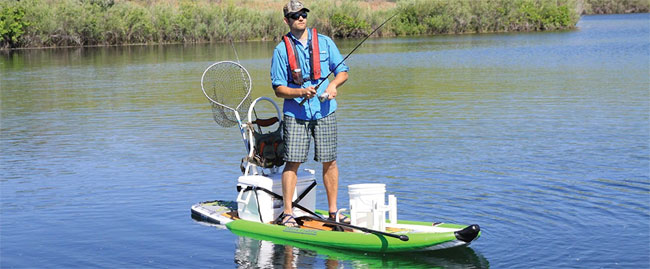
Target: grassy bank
[
  {"x": 615, "y": 6},
  {"x": 51, "y": 23}
]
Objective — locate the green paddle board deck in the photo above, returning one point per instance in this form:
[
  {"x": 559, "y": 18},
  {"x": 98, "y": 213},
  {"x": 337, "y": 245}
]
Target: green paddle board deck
[{"x": 422, "y": 235}]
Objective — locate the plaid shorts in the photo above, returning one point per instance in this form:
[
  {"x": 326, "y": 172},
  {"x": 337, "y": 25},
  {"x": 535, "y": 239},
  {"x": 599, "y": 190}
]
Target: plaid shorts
[{"x": 297, "y": 138}]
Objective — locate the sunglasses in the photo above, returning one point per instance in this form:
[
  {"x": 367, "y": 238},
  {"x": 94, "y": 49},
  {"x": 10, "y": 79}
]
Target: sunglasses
[{"x": 297, "y": 15}]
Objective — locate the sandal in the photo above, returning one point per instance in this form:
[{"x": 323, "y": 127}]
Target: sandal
[
  {"x": 287, "y": 220},
  {"x": 342, "y": 218}
]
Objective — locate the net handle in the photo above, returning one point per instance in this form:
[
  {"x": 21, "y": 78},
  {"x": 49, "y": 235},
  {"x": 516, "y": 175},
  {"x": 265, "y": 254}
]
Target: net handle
[{"x": 244, "y": 73}]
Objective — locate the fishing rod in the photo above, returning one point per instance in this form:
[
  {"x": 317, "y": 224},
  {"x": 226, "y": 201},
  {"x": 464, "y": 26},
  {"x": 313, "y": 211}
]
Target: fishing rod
[{"x": 325, "y": 95}]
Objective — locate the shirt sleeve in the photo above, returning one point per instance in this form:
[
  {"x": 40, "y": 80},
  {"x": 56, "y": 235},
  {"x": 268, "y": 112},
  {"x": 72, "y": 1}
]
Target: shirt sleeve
[
  {"x": 279, "y": 69},
  {"x": 336, "y": 58}
]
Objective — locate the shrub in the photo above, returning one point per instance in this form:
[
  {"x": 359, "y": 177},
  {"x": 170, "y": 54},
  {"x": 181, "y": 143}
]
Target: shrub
[
  {"x": 12, "y": 25},
  {"x": 34, "y": 23},
  {"x": 346, "y": 26}
]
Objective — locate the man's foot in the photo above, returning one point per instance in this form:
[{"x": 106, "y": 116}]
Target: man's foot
[
  {"x": 342, "y": 218},
  {"x": 287, "y": 220}
]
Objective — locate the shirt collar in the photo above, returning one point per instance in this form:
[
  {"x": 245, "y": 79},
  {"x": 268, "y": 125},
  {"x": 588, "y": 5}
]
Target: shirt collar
[{"x": 296, "y": 39}]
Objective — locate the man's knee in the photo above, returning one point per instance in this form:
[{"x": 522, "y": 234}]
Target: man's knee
[
  {"x": 329, "y": 164},
  {"x": 291, "y": 166}
]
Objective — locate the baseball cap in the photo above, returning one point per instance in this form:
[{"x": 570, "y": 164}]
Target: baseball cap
[{"x": 294, "y": 6}]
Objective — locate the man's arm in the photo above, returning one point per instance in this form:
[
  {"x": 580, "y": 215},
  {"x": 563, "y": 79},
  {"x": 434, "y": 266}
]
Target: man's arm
[
  {"x": 339, "y": 79},
  {"x": 288, "y": 93},
  {"x": 309, "y": 92},
  {"x": 332, "y": 88}
]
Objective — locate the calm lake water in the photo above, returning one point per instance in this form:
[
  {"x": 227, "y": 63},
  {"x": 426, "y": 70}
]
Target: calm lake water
[{"x": 541, "y": 138}]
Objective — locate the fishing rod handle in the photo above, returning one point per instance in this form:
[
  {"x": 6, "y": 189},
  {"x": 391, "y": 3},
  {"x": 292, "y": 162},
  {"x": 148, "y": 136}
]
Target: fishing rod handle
[{"x": 322, "y": 97}]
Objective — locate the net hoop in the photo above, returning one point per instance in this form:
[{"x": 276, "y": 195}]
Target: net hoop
[{"x": 246, "y": 76}]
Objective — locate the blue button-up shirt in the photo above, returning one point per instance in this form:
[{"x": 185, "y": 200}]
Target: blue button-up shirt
[{"x": 330, "y": 57}]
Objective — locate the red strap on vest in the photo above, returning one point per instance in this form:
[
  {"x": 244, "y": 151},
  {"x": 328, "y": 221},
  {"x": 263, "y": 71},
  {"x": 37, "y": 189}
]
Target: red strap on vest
[
  {"x": 315, "y": 55},
  {"x": 314, "y": 62},
  {"x": 296, "y": 73}
]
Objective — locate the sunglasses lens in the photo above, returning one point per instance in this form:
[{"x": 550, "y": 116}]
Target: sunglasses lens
[{"x": 296, "y": 16}]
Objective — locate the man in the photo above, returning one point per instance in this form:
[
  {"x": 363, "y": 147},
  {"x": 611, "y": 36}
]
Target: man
[{"x": 301, "y": 61}]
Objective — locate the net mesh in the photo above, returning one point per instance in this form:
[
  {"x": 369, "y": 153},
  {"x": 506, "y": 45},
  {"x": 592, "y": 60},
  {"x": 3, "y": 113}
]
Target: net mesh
[{"x": 228, "y": 84}]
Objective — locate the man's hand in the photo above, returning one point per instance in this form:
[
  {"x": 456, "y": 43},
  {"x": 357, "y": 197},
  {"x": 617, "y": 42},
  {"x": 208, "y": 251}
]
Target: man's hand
[
  {"x": 308, "y": 92},
  {"x": 331, "y": 91}
]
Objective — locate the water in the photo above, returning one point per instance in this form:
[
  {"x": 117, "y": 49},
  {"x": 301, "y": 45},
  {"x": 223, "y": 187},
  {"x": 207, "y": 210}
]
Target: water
[{"x": 541, "y": 138}]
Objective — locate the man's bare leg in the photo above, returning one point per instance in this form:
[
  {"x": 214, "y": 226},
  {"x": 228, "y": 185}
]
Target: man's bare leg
[
  {"x": 331, "y": 182},
  {"x": 289, "y": 179}
]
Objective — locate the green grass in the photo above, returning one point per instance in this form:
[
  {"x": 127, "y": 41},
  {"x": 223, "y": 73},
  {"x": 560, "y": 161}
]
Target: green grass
[
  {"x": 55, "y": 23},
  {"x": 615, "y": 6}
]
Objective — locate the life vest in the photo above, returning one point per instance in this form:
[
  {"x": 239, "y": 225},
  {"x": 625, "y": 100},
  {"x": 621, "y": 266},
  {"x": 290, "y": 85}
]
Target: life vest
[{"x": 294, "y": 61}]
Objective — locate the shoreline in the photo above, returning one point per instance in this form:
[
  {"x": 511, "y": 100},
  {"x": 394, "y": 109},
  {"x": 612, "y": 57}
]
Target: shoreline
[{"x": 42, "y": 24}]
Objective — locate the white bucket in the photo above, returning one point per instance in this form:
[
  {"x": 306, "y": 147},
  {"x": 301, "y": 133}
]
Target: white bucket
[{"x": 365, "y": 199}]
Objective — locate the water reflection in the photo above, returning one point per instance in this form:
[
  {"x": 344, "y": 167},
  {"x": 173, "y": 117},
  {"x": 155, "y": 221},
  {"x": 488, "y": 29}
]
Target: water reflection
[
  {"x": 259, "y": 253},
  {"x": 538, "y": 137}
]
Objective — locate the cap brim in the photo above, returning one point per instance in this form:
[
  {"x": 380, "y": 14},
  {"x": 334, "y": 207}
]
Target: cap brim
[{"x": 303, "y": 9}]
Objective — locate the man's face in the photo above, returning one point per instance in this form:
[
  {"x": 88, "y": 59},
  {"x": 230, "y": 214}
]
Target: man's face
[{"x": 297, "y": 21}]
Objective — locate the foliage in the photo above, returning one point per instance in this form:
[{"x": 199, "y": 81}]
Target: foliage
[
  {"x": 547, "y": 17},
  {"x": 616, "y": 6},
  {"x": 39, "y": 23},
  {"x": 463, "y": 16},
  {"x": 12, "y": 25},
  {"x": 347, "y": 26},
  {"x": 103, "y": 4}
]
